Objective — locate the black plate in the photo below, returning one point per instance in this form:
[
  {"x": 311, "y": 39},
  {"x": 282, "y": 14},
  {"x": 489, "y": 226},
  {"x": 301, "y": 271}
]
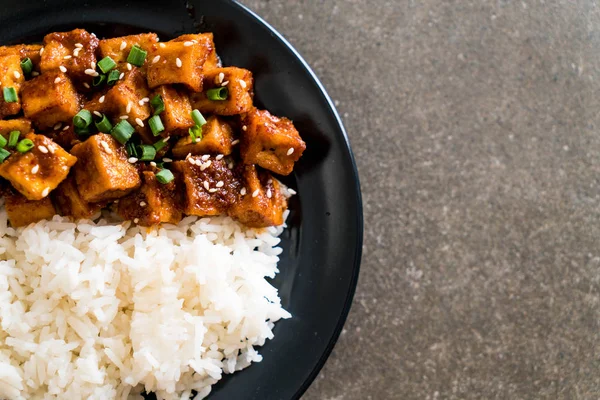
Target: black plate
[{"x": 322, "y": 247}]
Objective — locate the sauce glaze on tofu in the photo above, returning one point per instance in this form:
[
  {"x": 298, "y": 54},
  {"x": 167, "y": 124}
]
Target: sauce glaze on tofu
[{"x": 152, "y": 130}]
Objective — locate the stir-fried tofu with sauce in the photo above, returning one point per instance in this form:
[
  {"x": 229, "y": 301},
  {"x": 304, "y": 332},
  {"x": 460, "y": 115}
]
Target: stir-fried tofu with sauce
[{"x": 153, "y": 130}]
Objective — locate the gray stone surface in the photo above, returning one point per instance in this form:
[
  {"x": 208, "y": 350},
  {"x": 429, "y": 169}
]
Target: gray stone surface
[{"x": 476, "y": 128}]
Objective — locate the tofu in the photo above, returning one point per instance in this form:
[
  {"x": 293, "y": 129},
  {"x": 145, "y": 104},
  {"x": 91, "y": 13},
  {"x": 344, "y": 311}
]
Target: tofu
[
  {"x": 39, "y": 171},
  {"x": 103, "y": 172},
  {"x": 164, "y": 70},
  {"x": 192, "y": 178},
  {"x": 49, "y": 99},
  {"x": 271, "y": 142},
  {"x": 115, "y": 49},
  {"x": 124, "y": 98},
  {"x": 240, "y": 84},
  {"x": 31, "y": 51},
  {"x": 70, "y": 203},
  {"x": 177, "y": 117},
  {"x": 217, "y": 138},
  {"x": 11, "y": 75},
  {"x": 207, "y": 39},
  {"x": 260, "y": 203},
  {"x": 59, "y": 45},
  {"x": 19, "y": 124},
  {"x": 152, "y": 203},
  {"x": 22, "y": 212}
]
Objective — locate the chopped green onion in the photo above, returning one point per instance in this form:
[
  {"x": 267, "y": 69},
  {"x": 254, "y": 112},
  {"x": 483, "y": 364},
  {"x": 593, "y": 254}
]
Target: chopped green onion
[
  {"x": 103, "y": 125},
  {"x": 198, "y": 118},
  {"x": 157, "y": 104},
  {"x": 25, "y": 145},
  {"x": 113, "y": 77},
  {"x": 106, "y": 64},
  {"x": 4, "y": 154},
  {"x": 156, "y": 125},
  {"x": 13, "y": 138},
  {"x": 122, "y": 131},
  {"x": 148, "y": 152},
  {"x": 132, "y": 150},
  {"x": 26, "y": 66},
  {"x": 85, "y": 131},
  {"x": 137, "y": 56},
  {"x": 3, "y": 141},
  {"x": 195, "y": 133},
  {"x": 99, "y": 80},
  {"x": 82, "y": 119},
  {"x": 164, "y": 176},
  {"x": 160, "y": 144},
  {"x": 10, "y": 95},
  {"x": 217, "y": 94},
  {"x": 160, "y": 165}
]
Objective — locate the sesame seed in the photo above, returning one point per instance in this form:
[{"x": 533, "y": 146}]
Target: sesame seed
[
  {"x": 86, "y": 85},
  {"x": 243, "y": 84},
  {"x": 35, "y": 73},
  {"x": 236, "y": 141},
  {"x": 167, "y": 139},
  {"x": 244, "y": 128},
  {"x": 290, "y": 151},
  {"x": 68, "y": 57},
  {"x": 63, "y": 69},
  {"x": 57, "y": 80},
  {"x": 66, "y": 127},
  {"x": 142, "y": 204},
  {"x": 243, "y": 191},
  {"x": 124, "y": 117},
  {"x": 16, "y": 74},
  {"x": 270, "y": 180},
  {"x": 132, "y": 160},
  {"x": 230, "y": 165},
  {"x": 90, "y": 72},
  {"x": 224, "y": 83},
  {"x": 191, "y": 160},
  {"x": 255, "y": 193},
  {"x": 152, "y": 164},
  {"x": 145, "y": 100},
  {"x": 213, "y": 190},
  {"x": 122, "y": 75},
  {"x": 205, "y": 157},
  {"x": 291, "y": 191},
  {"x": 141, "y": 102},
  {"x": 93, "y": 64},
  {"x": 79, "y": 45},
  {"x": 221, "y": 77},
  {"x": 167, "y": 160},
  {"x": 41, "y": 51},
  {"x": 98, "y": 114},
  {"x": 35, "y": 169},
  {"x": 178, "y": 62},
  {"x": 123, "y": 45},
  {"x": 188, "y": 44},
  {"x": 139, "y": 122},
  {"x": 101, "y": 99},
  {"x": 106, "y": 148},
  {"x": 129, "y": 67},
  {"x": 128, "y": 108},
  {"x": 136, "y": 220},
  {"x": 220, "y": 184},
  {"x": 51, "y": 149},
  {"x": 162, "y": 45},
  {"x": 155, "y": 59},
  {"x": 43, "y": 149},
  {"x": 57, "y": 126},
  {"x": 206, "y": 185},
  {"x": 269, "y": 194},
  {"x": 208, "y": 163},
  {"x": 219, "y": 157},
  {"x": 46, "y": 192}
]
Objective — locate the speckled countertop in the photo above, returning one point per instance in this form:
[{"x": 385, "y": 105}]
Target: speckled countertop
[{"x": 476, "y": 129}]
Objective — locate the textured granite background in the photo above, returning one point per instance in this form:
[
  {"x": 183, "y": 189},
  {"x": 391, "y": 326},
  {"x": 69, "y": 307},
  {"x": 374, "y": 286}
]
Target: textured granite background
[{"x": 476, "y": 128}]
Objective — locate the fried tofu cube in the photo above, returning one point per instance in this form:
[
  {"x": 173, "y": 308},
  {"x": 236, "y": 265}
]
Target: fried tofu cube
[
  {"x": 22, "y": 212},
  {"x": 217, "y": 138},
  {"x": 271, "y": 142},
  {"x": 153, "y": 203},
  {"x": 19, "y": 124},
  {"x": 118, "y": 48},
  {"x": 177, "y": 62},
  {"x": 207, "y": 39},
  {"x": 49, "y": 99},
  {"x": 59, "y": 45},
  {"x": 11, "y": 76},
  {"x": 124, "y": 98},
  {"x": 39, "y": 171},
  {"x": 70, "y": 203},
  {"x": 209, "y": 187},
  {"x": 31, "y": 51},
  {"x": 240, "y": 85},
  {"x": 177, "y": 117},
  {"x": 260, "y": 202},
  {"x": 103, "y": 172}
]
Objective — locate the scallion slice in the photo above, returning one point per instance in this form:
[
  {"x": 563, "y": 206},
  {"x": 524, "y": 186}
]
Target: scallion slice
[
  {"x": 10, "y": 95},
  {"x": 156, "y": 125},
  {"x": 164, "y": 176},
  {"x": 106, "y": 64},
  {"x": 195, "y": 133},
  {"x": 103, "y": 125},
  {"x": 198, "y": 118},
  {"x": 13, "y": 138},
  {"x": 148, "y": 152},
  {"x": 26, "y": 66},
  {"x": 4, "y": 154},
  {"x": 217, "y": 94},
  {"x": 137, "y": 56},
  {"x": 82, "y": 119},
  {"x": 113, "y": 77},
  {"x": 160, "y": 144},
  {"x": 99, "y": 80},
  {"x": 122, "y": 131},
  {"x": 3, "y": 141},
  {"x": 157, "y": 104},
  {"x": 132, "y": 150},
  {"x": 24, "y": 145}
]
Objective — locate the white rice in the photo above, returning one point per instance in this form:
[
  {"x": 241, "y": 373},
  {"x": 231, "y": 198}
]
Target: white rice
[{"x": 99, "y": 310}]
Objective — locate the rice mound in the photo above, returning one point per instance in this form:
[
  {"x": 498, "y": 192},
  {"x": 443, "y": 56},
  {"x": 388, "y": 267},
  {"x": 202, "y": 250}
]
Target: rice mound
[{"x": 105, "y": 310}]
